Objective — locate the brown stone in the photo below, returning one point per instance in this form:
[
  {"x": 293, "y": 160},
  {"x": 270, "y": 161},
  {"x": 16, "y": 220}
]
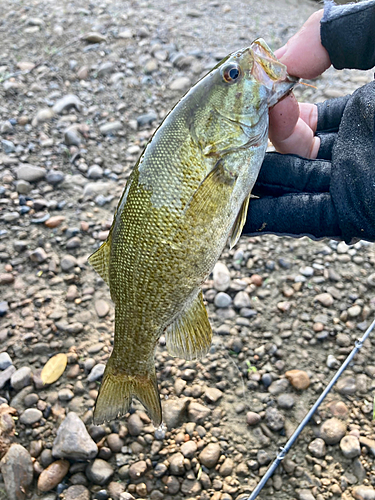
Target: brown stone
[
  {"x": 53, "y": 475},
  {"x": 298, "y": 378}
]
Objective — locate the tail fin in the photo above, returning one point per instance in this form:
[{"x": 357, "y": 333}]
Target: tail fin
[{"x": 117, "y": 389}]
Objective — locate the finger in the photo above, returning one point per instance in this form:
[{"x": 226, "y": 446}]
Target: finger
[
  {"x": 283, "y": 118},
  {"x": 304, "y": 54},
  {"x": 330, "y": 113},
  {"x": 327, "y": 142},
  {"x": 282, "y": 174},
  {"x": 294, "y": 215},
  {"x": 309, "y": 114},
  {"x": 301, "y": 141}
]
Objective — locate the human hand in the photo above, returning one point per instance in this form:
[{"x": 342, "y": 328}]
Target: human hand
[
  {"x": 293, "y": 125},
  {"x": 332, "y": 196}
]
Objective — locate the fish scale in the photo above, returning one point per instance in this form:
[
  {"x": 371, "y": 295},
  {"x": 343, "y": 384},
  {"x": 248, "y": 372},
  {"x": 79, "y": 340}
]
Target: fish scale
[{"x": 187, "y": 194}]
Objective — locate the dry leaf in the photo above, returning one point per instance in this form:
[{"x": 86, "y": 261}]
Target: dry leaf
[{"x": 54, "y": 368}]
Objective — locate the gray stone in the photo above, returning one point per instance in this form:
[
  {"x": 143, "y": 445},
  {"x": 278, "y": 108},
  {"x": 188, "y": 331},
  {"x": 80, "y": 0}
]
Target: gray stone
[
  {"x": 350, "y": 446},
  {"x": 101, "y": 308},
  {"x": 135, "y": 424},
  {"x": 317, "y": 448},
  {"x": 77, "y": 492},
  {"x": 99, "y": 471},
  {"x": 68, "y": 262},
  {"x": 285, "y": 401},
  {"x": 8, "y": 146},
  {"x": 17, "y": 471},
  {"x": 5, "y": 361},
  {"x": 146, "y": 119},
  {"x": 31, "y": 416},
  {"x": 210, "y": 454},
  {"x": 189, "y": 449},
  {"x": 197, "y": 413},
  {"x": 38, "y": 255},
  {"x": 364, "y": 493},
  {"x": 30, "y": 173},
  {"x": 275, "y": 420},
  {"x": 222, "y": 300},
  {"x": 6, "y": 375},
  {"x": 252, "y": 418},
  {"x": 54, "y": 177},
  {"x": 23, "y": 187},
  {"x": 65, "y": 395},
  {"x": 111, "y": 127},
  {"x": 332, "y": 430},
  {"x": 21, "y": 378},
  {"x": 181, "y": 83},
  {"x": 73, "y": 441},
  {"x": 346, "y": 385},
  {"x": 96, "y": 373},
  {"x": 174, "y": 411},
  {"x": 305, "y": 495},
  {"x": 4, "y": 307},
  {"x": 221, "y": 277},
  {"x": 95, "y": 172},
  {"x": 212, "y": 394},
  {"x": 241, "y": 300},
  {"x": 67, "y": 102},
  {"x": 176, "y": 464},
  {"x": 105, "y": 68}
]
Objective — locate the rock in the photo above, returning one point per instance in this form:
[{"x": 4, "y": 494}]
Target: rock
[
  {"x": 30, "y": 173},
  {"x": 95, "y": 172},
  {"x": 354, "y": 311},
  {"x": 55, "y": 221},
  {"x": 43, "y": 115},
  {"x": 317, "y": 448},
  {"x": 55, "y": 177},
  {"x": 94, "y": 37},
  {"x": 101, "y": 308},
  {"x": 298, "y": 378},
  {"x": 3, "y": 308},
  {"x": 176, "y": 464},
  {"x": 369, "y": 443},
  {"x": 96, "y": 373},
  {"x": 6, "y": 375},
  {"x": 38, "y": 255},
  {"x": 67, "y": 102},
  {"x": 5, "y": 361},
  {"x": 8, "y": 146},
  {"x": 135, "y": 425},
  {"x": 73, "y": 441},
  {"x": 350, "y": 446},
  {"x": 17, "y": 472},
  {"x": 115, "y": 490},
  {"x": 221, "y": 277},
  {"x": 77, "y": 492},
  {"x": 364, "y": 493},
  {"x": 115, "y": 443},
  {"x": 252, "y": 418},
  {"x": 99, "y": 471},
  {"x": 274, "y": 419},
  {"x": 189, "y": 449},
  {"x": 212, "y": 394},
  {"x": 226, "y": 467},
  {"x": 53, "y": 475},
  {"x": 105, "y": 68},
  {"x": 23, "y": 187},
  {"x": 146, "y": 119},
  {"x": 181, "y": 83},
  {"x": 137, "y": 469},
  {"x": 222, "y": 300},
  {"x": 285, "y": 401},
  {"x": 197, "y": 413},
  {"x": 241, "y": 300},
  {"x": 305, "y": 495},
  {"x": 31, "y": 416},
  {"x": 210, "y": 454},
  {"x": 174, "y": 411},
  {"x": 111, "y": 128},
  {"x": 68, "y": 262},
  {"x": 346, "y": 385},
  {"x": 21, "y": 378},
  {"x": 325, "y": 299},
  {"x": 332, "y": 430}
]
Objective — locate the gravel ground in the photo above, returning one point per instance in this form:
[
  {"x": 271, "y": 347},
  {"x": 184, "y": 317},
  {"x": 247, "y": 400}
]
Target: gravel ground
[{"x": 82, "y": 89}]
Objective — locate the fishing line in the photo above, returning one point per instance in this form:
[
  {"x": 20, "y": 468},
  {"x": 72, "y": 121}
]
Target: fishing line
[{"x": 284, "y": 450}]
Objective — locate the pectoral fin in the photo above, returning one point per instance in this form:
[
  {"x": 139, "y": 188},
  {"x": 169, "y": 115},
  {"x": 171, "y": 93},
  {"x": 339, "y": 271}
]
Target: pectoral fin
[
  {"x": 189, "y": 336},
  {"x": 239, "y": 222}
]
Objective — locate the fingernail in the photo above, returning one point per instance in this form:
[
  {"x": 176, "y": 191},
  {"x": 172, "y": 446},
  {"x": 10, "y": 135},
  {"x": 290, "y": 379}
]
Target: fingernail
[{"x": 279, "y": 53}]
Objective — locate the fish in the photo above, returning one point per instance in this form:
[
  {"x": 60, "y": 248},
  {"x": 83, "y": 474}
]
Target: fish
[{"x": 186, "y": 196}]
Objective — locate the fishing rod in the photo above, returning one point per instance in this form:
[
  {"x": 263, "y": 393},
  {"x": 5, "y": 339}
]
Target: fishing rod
[{"x": 284, "y": 450}]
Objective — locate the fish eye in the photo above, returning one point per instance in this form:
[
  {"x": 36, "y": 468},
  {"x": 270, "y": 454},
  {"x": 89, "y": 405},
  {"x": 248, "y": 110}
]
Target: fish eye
[{"x": 231, "y": 73}]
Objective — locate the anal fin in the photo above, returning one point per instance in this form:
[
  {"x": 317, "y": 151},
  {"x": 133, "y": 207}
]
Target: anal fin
[
  {"x": 239, "y": 222},
  {"x": 189, "y": 336}
]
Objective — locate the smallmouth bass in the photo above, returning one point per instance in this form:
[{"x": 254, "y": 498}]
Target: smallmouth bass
[{"x": 188, "y": 193}]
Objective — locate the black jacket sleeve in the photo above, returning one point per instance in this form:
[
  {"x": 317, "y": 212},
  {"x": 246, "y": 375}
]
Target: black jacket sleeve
[{"x": 347, "y": 33}]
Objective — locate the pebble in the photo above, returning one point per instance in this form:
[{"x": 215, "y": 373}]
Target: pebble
[
  {"x": 317, "y": 448},
  {"x": 6, "y": 375},
  {"x": 298, "y": 379},
  {"x": 350, "y": 446},
  {"x": 38, "y": 255},
  {"x": 197, "y": 413},
  {"x": 101, "y": 308},
  {"x": 174, "y": 411},
  {"x": 221, "y": 276},
  {"x": 99, "y": 471},
  {"x": 96, "y": 373},
  {"x": 30, "y": 173},
  {"x": 176, "y": 464},
  {"x": 241, "y": 300},
  {"x": 17, "y": 472},
  {"x": 21, "y": 378},
  {"x": 181, "y": 83},
  {"x": 5, "y": 361},
  {"x": 189, "y": 449},
  {"x": 135, "y": 424},
  {"x": 285, "y": 401},
  {"x": 364, "y": 493},
  {"x": 332, "y": 430},
  {"x": 146, "y": 119},
  {"x": 222, "y": 300},
  {"x": 226, "y": 467},
  {"x": 137, "y": 469},
  {"x": 212, "y": 394},
  {"x": 275, "y": 420},
  {"x": 210, "y": 454},
  {"x": 95, "y": 172},
  {"x": 252, "y": 418},
  {"x": 77, "y": 492},
  {"x": 111, "y": 128},
  {"x": 325, "y": 299},
  {"x": 346, "y": 385},
  {"x": 31, "y": 416},
  {"x": 66, "y": 103},
  {"x": 94, "y": 37},
  {"x": 53, "y": 475},
  {"x": 55, "y": 177},
  {"x": 73, "y": 441}
]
